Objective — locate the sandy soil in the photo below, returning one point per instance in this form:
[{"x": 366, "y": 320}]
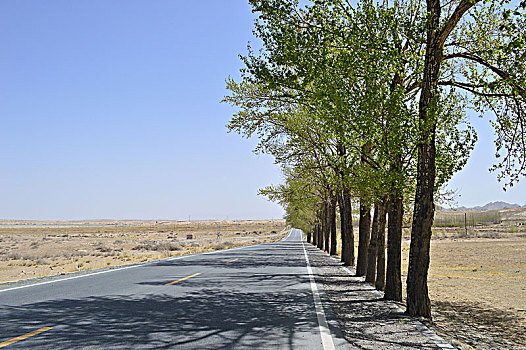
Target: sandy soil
[
  {"x": 478, "y": 291},
  {"x": 477, "y": 282},
  {"x": 42, "y": 248}
]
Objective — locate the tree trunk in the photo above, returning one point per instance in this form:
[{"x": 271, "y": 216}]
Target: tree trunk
[
  {"x": 320, "y": 235},
  {"x": 322, "y": 229},
  {"x": 373, "y": 246},
  {"x": 364, "y": 228},
  {"x": 334, "y": 240},
  {"x": 418, "y": 303},
  {"x": 347, "y": 229},
  {"x": 393, "y": 285},
  {"x": 309, "y": 234},
  {"x": 380, "y": 252},
  {"x": 342, "y": 223},
  {"x": 327, "y": 229},
  {"x": 315, "y": 235}
]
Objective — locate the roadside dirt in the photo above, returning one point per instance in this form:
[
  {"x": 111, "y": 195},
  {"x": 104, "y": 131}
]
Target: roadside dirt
[
  {"x": 477, "y": 282},
  {"x": 478, "y": 292},
  {"x": 477, "y": 288},
  {"x": 42, "y": 248}
]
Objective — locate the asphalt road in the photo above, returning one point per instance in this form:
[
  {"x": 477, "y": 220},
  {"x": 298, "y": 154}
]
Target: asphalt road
[{"x": 258, "y": 297}]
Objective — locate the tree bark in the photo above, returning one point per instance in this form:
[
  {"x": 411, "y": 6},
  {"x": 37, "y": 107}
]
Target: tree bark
[
  {"x": 364, "y": 228},
  {"x": 315, "y": 235},
  {"x": 334, "y": 240},
  {"x": 393, "y": 284},
  {"x": 309, "y": 234},
  {"x": 320, "y": 236},
  {"x": 342, "y": 222},
  {"x": 373, "y": 246},
  {"x": 380, "y": 251},
  {"x": 418, "y": 303},
  {"x": 327, "y": 228},
  {"x": 322, "y": 228},
  {"x": 347, "y": 229}
]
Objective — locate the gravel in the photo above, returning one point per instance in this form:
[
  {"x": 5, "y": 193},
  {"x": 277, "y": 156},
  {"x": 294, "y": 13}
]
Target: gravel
[{"x": 368, "y": 321}]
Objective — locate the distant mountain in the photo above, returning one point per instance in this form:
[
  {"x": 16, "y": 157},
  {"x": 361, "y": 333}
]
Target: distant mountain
[{"x": 490, "y": 206}]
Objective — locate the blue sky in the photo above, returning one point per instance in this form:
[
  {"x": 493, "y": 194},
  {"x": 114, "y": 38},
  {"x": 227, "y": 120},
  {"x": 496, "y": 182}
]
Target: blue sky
[
  {"x": 475, "y": 184},
  {"x": 110, "y": 109}
]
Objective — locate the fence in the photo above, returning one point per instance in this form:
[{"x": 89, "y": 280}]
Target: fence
[{"x": 469, "y": 219}]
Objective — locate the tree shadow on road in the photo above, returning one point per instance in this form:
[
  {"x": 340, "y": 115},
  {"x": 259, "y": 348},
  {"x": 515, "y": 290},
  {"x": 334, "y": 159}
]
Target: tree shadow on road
[
  {"x": 209, "y": 318},
  {"x": 367, "y": 320},
  {"x": 276, "y": 255},
  {"x": 238, "y": 306}
]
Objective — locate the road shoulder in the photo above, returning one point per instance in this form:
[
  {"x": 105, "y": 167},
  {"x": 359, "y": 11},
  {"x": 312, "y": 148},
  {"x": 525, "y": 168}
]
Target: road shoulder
[{"x": 366, "y": 320}]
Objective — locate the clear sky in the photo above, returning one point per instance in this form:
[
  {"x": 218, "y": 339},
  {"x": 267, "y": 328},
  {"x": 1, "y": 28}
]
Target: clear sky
[
  {"x": 475, "y": 184},
  {"x": 110, "y": 109}
]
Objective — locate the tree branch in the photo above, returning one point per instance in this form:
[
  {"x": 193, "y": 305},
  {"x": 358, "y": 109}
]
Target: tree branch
[
  {"x": 503, "y": 74},
  {"x": 456, "y": 16},
  {"x": 471, "y": 88}
]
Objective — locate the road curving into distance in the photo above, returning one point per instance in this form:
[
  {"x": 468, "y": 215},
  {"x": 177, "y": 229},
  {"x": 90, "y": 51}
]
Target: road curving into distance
[{"x": 257, "y": 297}]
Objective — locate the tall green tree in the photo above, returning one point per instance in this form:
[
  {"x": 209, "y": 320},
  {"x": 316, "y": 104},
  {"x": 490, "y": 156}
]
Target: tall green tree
[
  {"x": 457, "y": 56},
  {"x": 332, "y": 79}
]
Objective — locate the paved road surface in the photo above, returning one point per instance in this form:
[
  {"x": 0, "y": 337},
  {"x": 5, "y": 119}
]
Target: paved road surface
[{"x": 258, "y": 297}]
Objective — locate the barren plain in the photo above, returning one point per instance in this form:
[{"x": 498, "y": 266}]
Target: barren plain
[
  {"x": 477, "y": 276},
  {"x": 477, "y": 279},
  {"x": 42, "y": 248}
]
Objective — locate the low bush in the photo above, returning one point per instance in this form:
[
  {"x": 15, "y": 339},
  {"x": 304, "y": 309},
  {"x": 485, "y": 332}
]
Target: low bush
[{"x": 158, "y": 246}]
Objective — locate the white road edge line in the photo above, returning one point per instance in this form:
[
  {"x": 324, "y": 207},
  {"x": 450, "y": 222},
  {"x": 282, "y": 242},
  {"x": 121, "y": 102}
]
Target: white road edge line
[
  {"x": 118, "y": 269},
  {"x": 128, "y": 267},
  {"x": 68, "y": 278},
  {"x": 326, "y": 337}
]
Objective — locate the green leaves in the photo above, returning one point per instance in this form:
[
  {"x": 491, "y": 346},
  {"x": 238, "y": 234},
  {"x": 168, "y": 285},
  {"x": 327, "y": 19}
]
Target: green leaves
[
  {"x": 488, "y": 61},
  {"x": 331, "y": 78}
]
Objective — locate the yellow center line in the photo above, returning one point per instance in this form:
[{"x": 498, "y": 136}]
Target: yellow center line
[
  {"x": 182, "y": 279},
  {"x": 25, "y": 336},
  {"x": 232, "y": 260}
]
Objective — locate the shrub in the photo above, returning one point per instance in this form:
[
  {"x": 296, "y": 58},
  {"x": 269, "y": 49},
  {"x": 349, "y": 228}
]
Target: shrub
[
  {"x": 103, "y": 249},
  {"x": 223, "y": 245},
  {"x": 14, "y": 256},
  {"x": 158, "y": 246}
]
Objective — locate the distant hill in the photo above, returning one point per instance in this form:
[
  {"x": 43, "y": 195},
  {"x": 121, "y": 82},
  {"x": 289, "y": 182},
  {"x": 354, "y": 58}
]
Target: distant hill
[{"x": 490, "y": 206}]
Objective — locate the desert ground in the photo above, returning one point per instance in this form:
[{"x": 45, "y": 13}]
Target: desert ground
[
  {"x": 478, "y": 291},
  {"x": 477, "y": 281},
  {"x": 31, "y": 249},
  {"x": 477, "y": 276}
]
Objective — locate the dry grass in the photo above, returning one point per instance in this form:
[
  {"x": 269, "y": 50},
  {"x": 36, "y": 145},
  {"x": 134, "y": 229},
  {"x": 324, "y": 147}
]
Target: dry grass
[
  {"x": 42, "y": 248},
  {"x": 477, "y": 281},
  {"x": 477, "y": 288}
]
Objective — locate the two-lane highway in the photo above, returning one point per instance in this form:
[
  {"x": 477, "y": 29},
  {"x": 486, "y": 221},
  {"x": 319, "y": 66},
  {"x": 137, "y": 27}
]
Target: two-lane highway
[{"x": 258, "y": 297}]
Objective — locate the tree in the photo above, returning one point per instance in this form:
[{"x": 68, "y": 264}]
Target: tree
[
  {"x": 503, "y": 92},
  {"x": 333, "y": 92}
]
